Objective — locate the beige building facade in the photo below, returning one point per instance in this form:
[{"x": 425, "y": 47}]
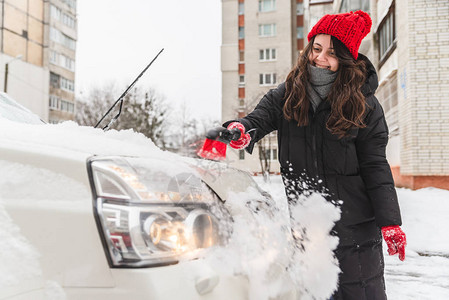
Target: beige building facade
[
  {"x": 414, "y": 91},
  {"x": 37, "y": 55},
  {"x": 408, "y": 46}
]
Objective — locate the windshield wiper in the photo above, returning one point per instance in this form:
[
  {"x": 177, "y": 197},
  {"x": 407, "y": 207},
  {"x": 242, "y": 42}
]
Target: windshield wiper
[{"x": 120, "y": 99}]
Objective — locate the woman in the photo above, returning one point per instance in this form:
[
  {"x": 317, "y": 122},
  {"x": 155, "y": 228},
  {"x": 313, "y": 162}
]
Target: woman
[{"x": 332, "y": 135}]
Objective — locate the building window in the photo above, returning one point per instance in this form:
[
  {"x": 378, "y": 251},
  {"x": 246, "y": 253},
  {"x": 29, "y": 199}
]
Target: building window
[
  {"x": 69, "y": 63},
  {"x": 241, "y": 154},
  {"x": 241, "y": 32},
  {"x": 354, "y": 5},
  {"x": 270, "y": 154},
  {"x": 67, "y": 106},
  {"x": 300, "y": 8},
  {"x": 59, "y": 37},
  {"x": 68, "y": 42},
  {"x": 54, "y": 80},
  {"x": 70, "y": 3},
  {"x": 300, "y": 32},
  {"x": 68, "y": 21},
  {"x": 267, "y": 5},
  {"x": 62, "y": 60},
  {"x": 54, "y": 34},
  {"x": 267, "y": 79},
  {"x": 387, "y": 94},
  {"x": 274, "y": 154},
  {"x": 55, "y": 12},
  {"x": 241, "y": 79},
  {"x": 62, "y": 105},
  {"x": 54, "y": 57},
  {"x": 387, "y": 35},
  {"x": 267, "y": 30},
  {"x": 267, "y": 54},
  {"x": 54, "y": 102},
  {"x": 67, "y": 85},
  {"x": 241, "y": 8}
]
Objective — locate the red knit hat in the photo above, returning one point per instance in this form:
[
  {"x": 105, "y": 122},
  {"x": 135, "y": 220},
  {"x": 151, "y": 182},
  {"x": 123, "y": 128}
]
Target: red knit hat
[{"x": 350, "y": 28}]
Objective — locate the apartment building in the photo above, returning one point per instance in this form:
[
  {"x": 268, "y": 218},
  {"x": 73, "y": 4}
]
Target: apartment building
[
  {"x": 37, "y": 55},
  {"x": 260, "y": 40},
  {"x": 413, "y": 64},
  {"x": 408, "y": 46}
]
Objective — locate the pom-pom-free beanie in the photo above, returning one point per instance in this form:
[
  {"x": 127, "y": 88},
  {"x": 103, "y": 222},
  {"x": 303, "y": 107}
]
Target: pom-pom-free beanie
[{"x": 350, "y": 28}]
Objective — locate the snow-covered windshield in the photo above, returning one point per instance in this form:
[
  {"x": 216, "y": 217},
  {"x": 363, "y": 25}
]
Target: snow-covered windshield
[{"x": 11, "y": 110}]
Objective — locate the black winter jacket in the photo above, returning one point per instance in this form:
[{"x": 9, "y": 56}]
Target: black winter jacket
[{"x": 353, "y": 169}]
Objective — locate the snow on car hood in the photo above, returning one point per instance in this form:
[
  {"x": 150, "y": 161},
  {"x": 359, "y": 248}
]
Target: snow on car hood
[
  {"x": 72, "y": 144},
  {"x": 70, "y": 137}
]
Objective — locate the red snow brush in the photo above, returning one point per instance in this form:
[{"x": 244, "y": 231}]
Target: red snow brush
[{"x": 214, "y": 147}]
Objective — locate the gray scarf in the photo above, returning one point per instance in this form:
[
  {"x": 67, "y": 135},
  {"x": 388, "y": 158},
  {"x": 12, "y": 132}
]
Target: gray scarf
[{"x": 320, "y": 84}]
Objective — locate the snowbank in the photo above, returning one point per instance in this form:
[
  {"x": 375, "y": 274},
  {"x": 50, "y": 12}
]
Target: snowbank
[
  {"x": 425, "y": 219},
  {"x": 424, "y": 273}
]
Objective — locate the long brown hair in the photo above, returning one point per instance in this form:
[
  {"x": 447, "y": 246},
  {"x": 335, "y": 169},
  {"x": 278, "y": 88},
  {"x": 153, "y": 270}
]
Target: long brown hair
[{"x": 346, "y": 99}]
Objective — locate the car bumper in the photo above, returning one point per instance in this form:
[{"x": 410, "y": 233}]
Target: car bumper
[{"x": 187, "y": 280}]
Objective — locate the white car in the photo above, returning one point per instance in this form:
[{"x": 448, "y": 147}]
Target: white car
[{"x": 88, "y": 214}]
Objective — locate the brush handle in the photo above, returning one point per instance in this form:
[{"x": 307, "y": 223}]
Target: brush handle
[{"x": 224, "y": 135}]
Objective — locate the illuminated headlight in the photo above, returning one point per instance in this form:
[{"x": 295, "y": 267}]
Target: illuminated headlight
[{"x": 152, "y": 212}]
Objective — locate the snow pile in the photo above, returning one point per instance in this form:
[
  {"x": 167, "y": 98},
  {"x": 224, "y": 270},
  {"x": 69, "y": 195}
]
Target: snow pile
[
  {"x": 262, "y": 248},
  {"x": 313, "y": 265},
  {"x": 427, "y": 230},
  {"x": 69, "y": 136},
  {"x": 316, "y": 268},
  {"x": 424, "y": 273},
  {"x": 258, "y": 249}
]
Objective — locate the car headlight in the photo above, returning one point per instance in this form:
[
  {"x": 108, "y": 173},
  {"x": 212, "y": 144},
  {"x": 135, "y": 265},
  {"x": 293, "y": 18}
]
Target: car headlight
[{"x": 152, "y": 212}]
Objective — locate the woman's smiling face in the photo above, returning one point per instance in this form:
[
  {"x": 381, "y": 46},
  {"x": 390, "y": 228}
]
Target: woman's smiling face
[{"x": 322, "y": 54}]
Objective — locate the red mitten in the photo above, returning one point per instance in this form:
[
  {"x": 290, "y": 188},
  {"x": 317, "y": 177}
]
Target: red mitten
[
  {"x": 395, "y": 239},
  {"x": 244, "y": 139}
]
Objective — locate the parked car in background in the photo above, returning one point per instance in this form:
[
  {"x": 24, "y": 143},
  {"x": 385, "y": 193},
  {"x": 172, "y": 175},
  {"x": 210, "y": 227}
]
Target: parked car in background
[{"x": 88, "y": 214}]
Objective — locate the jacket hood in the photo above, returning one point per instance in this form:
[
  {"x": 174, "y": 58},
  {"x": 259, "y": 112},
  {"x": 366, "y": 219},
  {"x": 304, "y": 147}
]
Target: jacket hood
[{"x": 371, "y": 82}]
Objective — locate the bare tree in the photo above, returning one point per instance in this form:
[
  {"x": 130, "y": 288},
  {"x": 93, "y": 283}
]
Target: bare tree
[
  {"x": 91, "y": 107},
  {"x": 187, "y": 133},
  {"x": 264, "y": 145},
  {"x": 143, "y": 111}
]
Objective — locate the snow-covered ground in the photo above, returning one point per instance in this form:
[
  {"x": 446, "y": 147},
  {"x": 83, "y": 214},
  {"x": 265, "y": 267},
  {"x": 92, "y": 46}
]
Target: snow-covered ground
[{"x": 424, "y": 274}]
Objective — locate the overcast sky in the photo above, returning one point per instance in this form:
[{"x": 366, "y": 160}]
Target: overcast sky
[{"x": 118, "y": 38}]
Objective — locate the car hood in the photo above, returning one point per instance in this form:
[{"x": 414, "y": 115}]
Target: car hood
[{"x": 65, "y": 148}]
